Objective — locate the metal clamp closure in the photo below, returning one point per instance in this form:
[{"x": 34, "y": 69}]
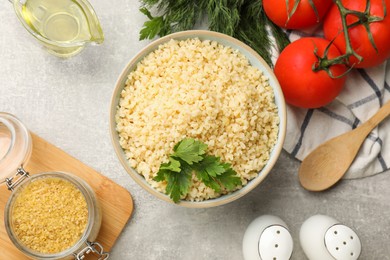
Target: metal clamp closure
[
  {"x": 93, "y": 247},
  {"x": 18, "y": 179}
]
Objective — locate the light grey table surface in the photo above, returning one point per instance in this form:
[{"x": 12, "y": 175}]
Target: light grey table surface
[{"x": 67, "y": 103}]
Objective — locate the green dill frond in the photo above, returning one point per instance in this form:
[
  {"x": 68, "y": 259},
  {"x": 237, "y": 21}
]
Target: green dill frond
[
  {"x": 280, "y": 36},
  {"x": 224, "y": 15},
  {"x": 242, "y": 19},
  {"x": 253, "y": 31}
]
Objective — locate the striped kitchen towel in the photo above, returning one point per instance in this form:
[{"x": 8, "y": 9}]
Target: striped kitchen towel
[{"x": 366, "y": 90}]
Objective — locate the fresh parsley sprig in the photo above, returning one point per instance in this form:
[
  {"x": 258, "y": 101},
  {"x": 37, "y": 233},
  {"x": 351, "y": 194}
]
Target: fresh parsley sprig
[{"x": 189, "y": 155}]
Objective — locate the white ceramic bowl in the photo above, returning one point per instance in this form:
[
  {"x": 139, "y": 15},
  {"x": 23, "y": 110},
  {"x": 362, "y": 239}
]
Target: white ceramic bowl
[{"x": 255, "y": 60}]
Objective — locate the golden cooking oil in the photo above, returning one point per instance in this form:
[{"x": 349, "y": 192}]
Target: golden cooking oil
[{"x": 66, "y": 24}]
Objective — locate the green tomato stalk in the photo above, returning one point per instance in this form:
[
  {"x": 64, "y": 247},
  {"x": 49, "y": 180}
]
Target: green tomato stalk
[
  {"x": 365, "y": 19},
  {"x": 295, "y": 7}
]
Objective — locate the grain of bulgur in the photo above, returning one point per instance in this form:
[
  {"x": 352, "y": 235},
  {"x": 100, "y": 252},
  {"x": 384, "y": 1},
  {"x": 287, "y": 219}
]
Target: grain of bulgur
[
  {"x": 203, "y": 90},
  {"x": 49, "y": 215}
]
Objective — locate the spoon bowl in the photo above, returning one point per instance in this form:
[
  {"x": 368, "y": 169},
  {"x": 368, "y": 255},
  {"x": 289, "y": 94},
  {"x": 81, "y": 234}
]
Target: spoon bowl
[{"x": 328, "y": 163}]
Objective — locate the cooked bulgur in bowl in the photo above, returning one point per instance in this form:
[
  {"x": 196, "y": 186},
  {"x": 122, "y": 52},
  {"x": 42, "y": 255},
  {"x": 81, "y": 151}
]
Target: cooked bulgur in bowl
[{"x": 206, "y": 86}]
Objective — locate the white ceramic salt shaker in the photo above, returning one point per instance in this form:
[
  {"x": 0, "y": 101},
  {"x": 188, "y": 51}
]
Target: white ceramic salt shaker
[
  {"x": 324, "y": 238},
  {"x": 267, "y": 238}
]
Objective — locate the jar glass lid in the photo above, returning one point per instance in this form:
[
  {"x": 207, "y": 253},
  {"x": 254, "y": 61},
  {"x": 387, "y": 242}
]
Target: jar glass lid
[{"x": 15, "y": 145}]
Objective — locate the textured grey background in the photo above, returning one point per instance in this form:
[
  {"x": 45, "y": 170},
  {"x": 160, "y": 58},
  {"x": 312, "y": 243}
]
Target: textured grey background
[{"x": 67, "y": 103}]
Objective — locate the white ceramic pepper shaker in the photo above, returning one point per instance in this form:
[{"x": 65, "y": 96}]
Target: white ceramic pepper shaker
[
  {"x": 267, "y": 238},
  {"x": 324, "y": 238}
]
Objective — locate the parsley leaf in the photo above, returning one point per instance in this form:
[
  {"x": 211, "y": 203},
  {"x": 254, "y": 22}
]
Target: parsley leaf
[
  {"x": 173, "y": 188},
  {"x": 178, "y": 183},
  {"x": 152, "y": 27},
  {"x": 185, "y": 178},
  {"x": 215, "y": 174},
  {"x": 173, "y": 165},
  {"x": 190, "y": 156},
  {"x": 189, "y": 150},
  {"x": 229, "y": 179},
  {"x": 161, "y": 175},
  {"x": 212, "y": 183},
  {"x": 210, "y": 165}
]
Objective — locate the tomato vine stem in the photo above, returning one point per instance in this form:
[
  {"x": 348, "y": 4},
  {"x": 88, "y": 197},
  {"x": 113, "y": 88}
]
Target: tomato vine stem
[
  {"x": 295, "y": 7},
  {"x": 364, "y": 19}
]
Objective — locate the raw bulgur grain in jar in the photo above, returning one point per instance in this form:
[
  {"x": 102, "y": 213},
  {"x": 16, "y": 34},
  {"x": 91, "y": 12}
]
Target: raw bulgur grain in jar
[
  {"x": 52, "y": 215},
  {"x": 49, "y": 215},
  {"x": 203, "y": 90}
]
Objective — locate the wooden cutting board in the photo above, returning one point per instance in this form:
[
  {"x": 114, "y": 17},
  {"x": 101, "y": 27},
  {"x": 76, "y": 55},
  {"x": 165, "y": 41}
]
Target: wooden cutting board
[{"x": 116, "y": 202}]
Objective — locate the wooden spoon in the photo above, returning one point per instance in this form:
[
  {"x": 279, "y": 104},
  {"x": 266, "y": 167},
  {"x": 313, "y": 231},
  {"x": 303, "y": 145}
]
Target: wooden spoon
[{"x": 327, "y": 164}]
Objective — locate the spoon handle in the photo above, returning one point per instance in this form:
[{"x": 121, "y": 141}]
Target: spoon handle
[{"x": 378, "y": 117}]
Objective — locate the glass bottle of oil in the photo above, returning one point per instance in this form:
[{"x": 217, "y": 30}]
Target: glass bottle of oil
[{"x": 62, "y": 26}]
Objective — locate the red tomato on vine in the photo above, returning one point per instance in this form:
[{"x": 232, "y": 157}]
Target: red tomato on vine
[
  {"x": 359, "y": 37},
  {"x": 308, "y": 12},
  {"x": 301, "y": 85}
]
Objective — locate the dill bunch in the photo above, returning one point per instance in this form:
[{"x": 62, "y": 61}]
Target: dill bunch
[{"x": 242, "y": 19}]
